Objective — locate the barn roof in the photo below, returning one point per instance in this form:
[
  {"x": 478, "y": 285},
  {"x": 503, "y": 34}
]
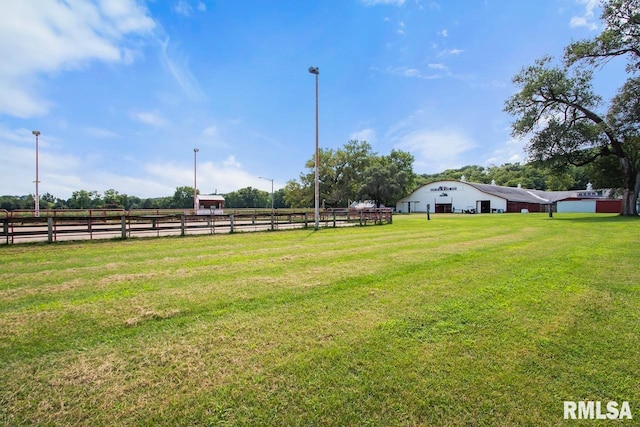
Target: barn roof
[
  {"x": 513, "y": 194},
  {"x": 210, "y": 197},
  {"x": 525, "y": 195}
]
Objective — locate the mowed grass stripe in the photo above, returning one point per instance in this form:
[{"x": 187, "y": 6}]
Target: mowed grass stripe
[
  {"x": 463, "y": 320},
  {"x": 267, "y": 281}
]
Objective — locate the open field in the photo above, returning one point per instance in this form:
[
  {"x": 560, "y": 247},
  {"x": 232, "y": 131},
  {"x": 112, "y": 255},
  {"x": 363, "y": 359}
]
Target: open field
[{"x": 461, "y": 320}]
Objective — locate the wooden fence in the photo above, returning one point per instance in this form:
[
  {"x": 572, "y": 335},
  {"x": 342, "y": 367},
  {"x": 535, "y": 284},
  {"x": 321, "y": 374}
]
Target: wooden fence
[{"x": 57, "y": 225}]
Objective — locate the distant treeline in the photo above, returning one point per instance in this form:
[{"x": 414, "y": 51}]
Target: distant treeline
[{"x": 352, "y": 184}]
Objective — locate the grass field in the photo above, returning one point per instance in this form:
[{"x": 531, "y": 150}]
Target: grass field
[{"x": 463, "y": 320}]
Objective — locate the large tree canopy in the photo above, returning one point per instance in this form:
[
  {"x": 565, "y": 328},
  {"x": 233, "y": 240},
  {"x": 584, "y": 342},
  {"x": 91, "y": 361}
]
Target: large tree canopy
[
  {"x": 621, "y": 37},
  {"x": 558, "y": 108},
  {"x": 354, "y": 172}
]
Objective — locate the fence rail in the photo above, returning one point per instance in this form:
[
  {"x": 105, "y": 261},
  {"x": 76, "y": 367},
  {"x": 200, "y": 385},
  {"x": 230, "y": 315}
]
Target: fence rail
[{"x": 57, "y": 225}]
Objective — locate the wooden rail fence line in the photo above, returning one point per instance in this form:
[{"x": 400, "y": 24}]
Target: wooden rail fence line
[{"x": 53, "y": 226}]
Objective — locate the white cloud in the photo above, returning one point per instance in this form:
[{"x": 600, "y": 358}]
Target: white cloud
[
  {"x": 52, "y": 166},
  {"x": 212, "y": 176},
  {"x": 368, "y": 135},
  {"x": 511, "y": 152},
  {"x": 183, "y": 8},
  {"x": 231, "y": 162},
  {"x": 443, "y": 33},
  {"x": 450, "y": 52},
  {"x": 99, "y": 132},
  {"x": 588, "y": 18},
  {"x": 62, "y": 174},
  {"x": 149, "y": 118},
  {"x": 48, "y": 36},
  {"x": 438, "y": 67},
  {"x": 435, "y": 150},
  {"x": 410, "y": 72},
  {"x": 179, "y": 70},
  {"x": 401, "y": 28},
  {"x": 211, "y": 131}
]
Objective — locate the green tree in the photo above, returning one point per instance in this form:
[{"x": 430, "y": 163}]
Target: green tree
[
  {"x": 620, "y": 37},
  {"x": 60, "y": 203},
  {"x": 11, "y": 203},
  {"x": 471, "y": 173},
  {"x": 83, "y": 199},
  {"x": 340, "y": 173},
  {"x": 279, "y": 199},
  {"x": 388, "y": 178},
  {"x": 131, "y": 202},
  {"x": 248, "y": 197},
  {"x": 559, "y": 109},
  {"x": 295, "y": 195},
  {"x": 183, "y": 198},
  {"x": 352, "y": 172},
  {"x": 112, "y": 199}
]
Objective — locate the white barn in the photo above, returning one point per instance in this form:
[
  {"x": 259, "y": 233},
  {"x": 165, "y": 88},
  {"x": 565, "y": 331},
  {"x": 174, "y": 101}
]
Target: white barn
[{"x": 471, "y": 197}]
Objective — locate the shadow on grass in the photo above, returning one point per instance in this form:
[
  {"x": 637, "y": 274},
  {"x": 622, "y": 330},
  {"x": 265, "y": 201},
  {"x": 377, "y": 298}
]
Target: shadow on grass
[{"x": 596, "y": 219}]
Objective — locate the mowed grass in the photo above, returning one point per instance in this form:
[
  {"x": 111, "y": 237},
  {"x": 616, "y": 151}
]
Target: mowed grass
[{"x": 461, "y": 320}]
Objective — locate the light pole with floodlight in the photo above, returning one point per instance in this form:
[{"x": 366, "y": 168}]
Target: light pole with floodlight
[
  {"x": 269, "y": 179},
  {"x": 195, "y": 191},
  {"x": 316, "y": 71},
  {"x": 37, "y": 200}
]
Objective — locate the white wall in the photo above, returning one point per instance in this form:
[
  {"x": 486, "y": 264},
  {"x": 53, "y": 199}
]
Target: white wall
[
  {"x": 461, "y": 195},
  {"x": 586, "y": 206}
]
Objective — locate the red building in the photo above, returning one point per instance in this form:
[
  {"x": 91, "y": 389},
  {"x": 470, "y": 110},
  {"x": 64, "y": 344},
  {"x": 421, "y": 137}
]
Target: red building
[{"x": 209, "y": 202}]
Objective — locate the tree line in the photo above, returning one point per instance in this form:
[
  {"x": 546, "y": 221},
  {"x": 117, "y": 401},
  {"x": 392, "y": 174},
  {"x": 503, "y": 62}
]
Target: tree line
[{"x": 350, "y": 173}]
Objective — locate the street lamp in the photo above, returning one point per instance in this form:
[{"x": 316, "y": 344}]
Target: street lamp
[
  {"x": 316, "y": 71},
  {"x": 269, "y": 179},
  {"x": 195, "y": 191},
  {"x": 37, "y": 200}
]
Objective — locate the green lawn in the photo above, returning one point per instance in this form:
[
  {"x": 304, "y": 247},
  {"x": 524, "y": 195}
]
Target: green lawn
[{"x": 461, "y": 320}]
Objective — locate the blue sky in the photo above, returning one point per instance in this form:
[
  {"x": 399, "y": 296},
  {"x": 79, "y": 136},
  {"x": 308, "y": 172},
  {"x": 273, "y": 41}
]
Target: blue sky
[{"x": 123, "y": 91}]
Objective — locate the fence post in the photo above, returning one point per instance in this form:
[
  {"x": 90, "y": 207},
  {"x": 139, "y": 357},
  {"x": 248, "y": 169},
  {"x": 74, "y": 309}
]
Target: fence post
[
  {"x": 272, "y": 225},
  {"x": 334, "y": 219},
  {"x": 182, "y": 225},
  {"x": 5, "y": 229},
  {"x": 50, "y": 229},
  {"x": 231, "y": 223},
  {"x": 361, "y": 217},
  {"x": 123, "y": 227},
  {"x": 305, "y": 220}
]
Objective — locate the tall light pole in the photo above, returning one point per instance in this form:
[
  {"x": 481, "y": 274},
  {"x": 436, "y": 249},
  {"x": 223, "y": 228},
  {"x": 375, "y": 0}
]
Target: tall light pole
[
  {"x": 269, "y": 179},
  {"x": 316, "y": 71},
  {"x": 195, "y": 182},
  {"x": 37, "y": 200}
]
